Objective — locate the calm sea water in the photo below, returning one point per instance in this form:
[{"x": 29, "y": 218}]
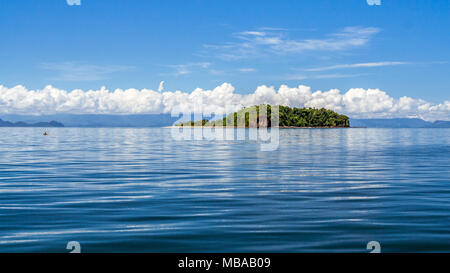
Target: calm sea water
[{"x": 139, "y": 190}]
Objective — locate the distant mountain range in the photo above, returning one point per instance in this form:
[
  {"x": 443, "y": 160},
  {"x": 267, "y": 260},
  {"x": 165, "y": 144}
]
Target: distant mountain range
[
  {"x": 160, "y": 120},
  {"x": 23, "y": 124},
  {"x": 398, "y": 123},
  {"x": 94, "y": 120}
]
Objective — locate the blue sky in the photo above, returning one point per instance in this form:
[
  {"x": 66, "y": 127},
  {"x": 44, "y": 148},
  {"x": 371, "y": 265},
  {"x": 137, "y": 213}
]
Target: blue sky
[{"x": 400, "y": 47}]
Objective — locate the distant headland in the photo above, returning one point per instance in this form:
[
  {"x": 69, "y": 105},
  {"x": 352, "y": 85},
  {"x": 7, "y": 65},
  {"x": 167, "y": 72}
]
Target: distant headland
[
  {"x": 24, "y": 124},
  {"x": 250, "y": 117}
]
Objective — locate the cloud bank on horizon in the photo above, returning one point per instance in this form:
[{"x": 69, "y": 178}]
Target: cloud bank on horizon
[{"x": 355, "y": 102}]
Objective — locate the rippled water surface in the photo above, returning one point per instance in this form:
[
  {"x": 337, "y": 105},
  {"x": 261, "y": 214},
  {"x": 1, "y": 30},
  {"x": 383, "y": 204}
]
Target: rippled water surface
[{"x": 139, "y": 190}]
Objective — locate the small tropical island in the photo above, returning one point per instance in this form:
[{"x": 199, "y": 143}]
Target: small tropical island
[{"x": 288, "y": 118}]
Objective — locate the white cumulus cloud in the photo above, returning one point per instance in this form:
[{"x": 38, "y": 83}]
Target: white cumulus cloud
[{"x": 355, "y": 102}]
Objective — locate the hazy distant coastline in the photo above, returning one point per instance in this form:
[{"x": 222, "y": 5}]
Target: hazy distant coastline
[
  {"x": 398, "y": 123},
  {"x": 24, "y": 124},
  {"x": 166, "y": 120}
]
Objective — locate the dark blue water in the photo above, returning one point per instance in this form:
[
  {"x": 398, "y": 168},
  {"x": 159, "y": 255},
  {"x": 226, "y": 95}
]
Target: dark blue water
[{"x": 139, "y": 190}]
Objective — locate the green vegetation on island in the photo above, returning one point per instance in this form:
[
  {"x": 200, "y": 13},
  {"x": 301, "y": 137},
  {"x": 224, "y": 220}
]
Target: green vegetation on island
[{"x": 250, "y": 117}]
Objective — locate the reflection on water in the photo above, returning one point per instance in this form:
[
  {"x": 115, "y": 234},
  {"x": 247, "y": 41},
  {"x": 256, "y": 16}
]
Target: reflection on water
[{"x": 139, "y": 190}]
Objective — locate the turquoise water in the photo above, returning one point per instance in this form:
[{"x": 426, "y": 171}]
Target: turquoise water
[{"x": 139, "y": 190}]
